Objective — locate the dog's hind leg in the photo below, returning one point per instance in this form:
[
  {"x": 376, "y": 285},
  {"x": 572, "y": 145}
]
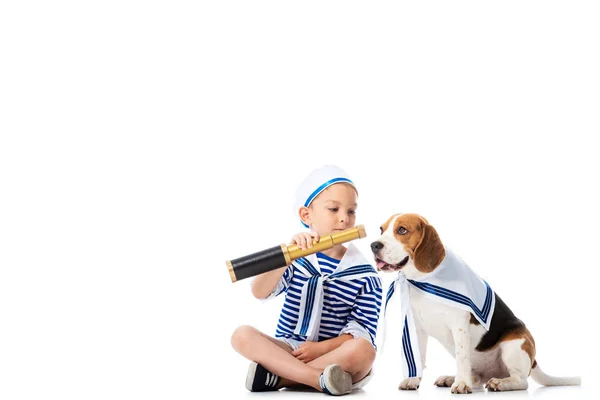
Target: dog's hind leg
[{"x": 518, "y": 364}]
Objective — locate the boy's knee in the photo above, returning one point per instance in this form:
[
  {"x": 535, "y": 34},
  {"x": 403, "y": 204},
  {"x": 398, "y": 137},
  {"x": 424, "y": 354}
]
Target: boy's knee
[
  {"x": 241, "y": 336},
  {"x": 361, "y": 352}
]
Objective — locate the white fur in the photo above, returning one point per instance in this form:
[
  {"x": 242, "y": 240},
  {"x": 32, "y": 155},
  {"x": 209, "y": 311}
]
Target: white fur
[
  {"x": 392, "y": 252},
  {"x": 505, "y": 366}
]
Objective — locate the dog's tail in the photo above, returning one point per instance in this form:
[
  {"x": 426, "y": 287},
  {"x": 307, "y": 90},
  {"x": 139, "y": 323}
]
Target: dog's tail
[{"x": 541, "y": 378}]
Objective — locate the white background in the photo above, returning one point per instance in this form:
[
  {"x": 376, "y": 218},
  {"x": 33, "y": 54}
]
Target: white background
[{"x": 144, "y": 143}]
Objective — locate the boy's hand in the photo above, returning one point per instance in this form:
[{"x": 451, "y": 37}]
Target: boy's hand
[
  {"x": 308, "y": 351},
  {"x": 305, "y": 239}
]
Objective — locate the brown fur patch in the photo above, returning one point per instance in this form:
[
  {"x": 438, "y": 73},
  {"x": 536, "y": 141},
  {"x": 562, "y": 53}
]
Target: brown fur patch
[
  {"x": 421, "y": 241},
  {"x": 528, "y": 345},
  {"x": 521, "y": 332},
  {"x": 387, "y": 223}
]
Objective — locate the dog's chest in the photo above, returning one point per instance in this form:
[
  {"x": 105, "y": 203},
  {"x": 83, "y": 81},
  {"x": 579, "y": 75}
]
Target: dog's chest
[
  {"x": 438, "y": 319},
  {"x": 432, "y": 315}
]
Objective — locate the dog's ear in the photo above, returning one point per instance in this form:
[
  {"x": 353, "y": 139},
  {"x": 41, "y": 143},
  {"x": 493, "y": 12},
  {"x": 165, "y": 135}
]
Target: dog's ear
[{"x": 430, "y": 252}]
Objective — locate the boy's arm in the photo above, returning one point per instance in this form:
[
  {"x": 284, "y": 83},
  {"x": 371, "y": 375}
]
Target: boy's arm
[
  {"x": 309, "y": 351},
  {"x": 334, "y": 343},
  {"x": 264, "y": 284}
]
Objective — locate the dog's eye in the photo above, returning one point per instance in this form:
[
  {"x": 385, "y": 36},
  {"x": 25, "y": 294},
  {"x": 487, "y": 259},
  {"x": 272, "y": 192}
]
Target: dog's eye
[
  {"x": 401, "y": 231},
  {"x": 381, "y": 230}
]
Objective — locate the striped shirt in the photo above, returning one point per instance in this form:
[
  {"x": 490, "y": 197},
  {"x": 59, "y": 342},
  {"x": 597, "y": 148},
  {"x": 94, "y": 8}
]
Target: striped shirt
[{"x": 349, "y": 305}]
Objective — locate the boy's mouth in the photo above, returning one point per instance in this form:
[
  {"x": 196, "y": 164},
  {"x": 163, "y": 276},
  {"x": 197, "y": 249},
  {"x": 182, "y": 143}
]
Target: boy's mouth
[{"x": 384, "y": 266}]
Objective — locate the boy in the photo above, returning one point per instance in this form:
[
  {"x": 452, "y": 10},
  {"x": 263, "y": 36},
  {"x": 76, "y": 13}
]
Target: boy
[{"x": 325, "y": 337}]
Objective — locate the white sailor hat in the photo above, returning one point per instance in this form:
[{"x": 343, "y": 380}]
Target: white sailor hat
[{"x": 317, "y": 181}]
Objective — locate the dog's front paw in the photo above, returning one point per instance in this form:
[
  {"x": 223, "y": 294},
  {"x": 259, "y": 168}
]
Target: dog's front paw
[
  {"x": 410, "y": 384},
  {"x": 444, "y": 381},
  {"x": 461, "y": 387}
]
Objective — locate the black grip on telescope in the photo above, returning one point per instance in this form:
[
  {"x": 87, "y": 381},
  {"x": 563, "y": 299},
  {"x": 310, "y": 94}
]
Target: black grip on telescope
[{"x": 258, "y": 263}]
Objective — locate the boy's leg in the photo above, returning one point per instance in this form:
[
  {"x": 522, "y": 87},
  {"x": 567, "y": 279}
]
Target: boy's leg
[
  {"x": 284, "y": 381},
  {"x": 276, "y": 341},
  {"x": 355, "y": 356},
  {"x": 271, "y": 354}
]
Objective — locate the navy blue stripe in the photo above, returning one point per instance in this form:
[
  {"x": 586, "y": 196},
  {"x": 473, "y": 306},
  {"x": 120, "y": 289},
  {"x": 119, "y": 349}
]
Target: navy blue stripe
[
  {"x": 311, "y": 300},
  {"x": 308, "y": 306},
  {"x": 488, "y": 299},
  {"x": 436, "y": 290},
  {"x": 412, "y": 365},
  {"x": 459, "y": 298},
  {"x": 367, "y": 305},
  {"x": 326, "y": 257},
  {"x": 351, "y": 293},
  {"x": 332, "y": 324},
  {"x": 308, "y": 265},
  {"x": 336, "y": 308},
  {"x": 312, "y": 287},
  {"x": 405, "y": 350},
  {"x": 295, "y": 289},
  {"x": 287, "y": 319},
  {"x": 405, "y": 341},
  {"x": 286, "y": 314},
  {"x": 283, "y": 329},
  {"x": 348, "y": 285},
  {"x": 389, "y": 294},
  {"x": 484, "y": 313},
  {"x": 286, "y": 325},
  {"x": 327, "y": 268},
  {"x": 370, "y": 325},
  {"x": 300, "y": 278},
  {"x": 367, "y": 313},
  {"x": 295, "y": 303},
  {"x": 358, "y": 269},
  {"x": 406, "y": 354},
  {"x": 412, "y": 355},
  {"x": 323, "y": 187},
  {"x": 331, "y": 291},
  {"x": 374, "y": 297}
]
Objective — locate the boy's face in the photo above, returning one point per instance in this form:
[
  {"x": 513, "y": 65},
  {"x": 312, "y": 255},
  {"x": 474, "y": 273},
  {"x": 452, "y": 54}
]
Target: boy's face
[{"x": 333, "y": 210}]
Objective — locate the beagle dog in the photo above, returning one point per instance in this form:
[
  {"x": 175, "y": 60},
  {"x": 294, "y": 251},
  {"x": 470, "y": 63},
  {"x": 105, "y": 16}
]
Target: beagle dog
[{"x": 502, "y": 356}]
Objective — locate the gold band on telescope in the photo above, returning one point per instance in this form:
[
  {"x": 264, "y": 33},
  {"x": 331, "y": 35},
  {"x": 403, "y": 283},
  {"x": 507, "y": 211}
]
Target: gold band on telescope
[
  {"x": 231, "y": 273},
  {"x": 286, "y": 254}
]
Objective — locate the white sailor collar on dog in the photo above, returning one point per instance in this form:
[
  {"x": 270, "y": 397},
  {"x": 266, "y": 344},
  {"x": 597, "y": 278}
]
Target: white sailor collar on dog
[{"x": 452, "y": 283}]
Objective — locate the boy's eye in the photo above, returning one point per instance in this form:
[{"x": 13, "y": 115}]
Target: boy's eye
[
  {"x": 333, "y": 209},
  {"x": 352, "y": 212}
]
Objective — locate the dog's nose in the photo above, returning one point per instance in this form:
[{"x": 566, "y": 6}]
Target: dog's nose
[{"x": 376, "y": 246}]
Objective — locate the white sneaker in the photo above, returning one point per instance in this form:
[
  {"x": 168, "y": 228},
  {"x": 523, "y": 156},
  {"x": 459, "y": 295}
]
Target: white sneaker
[{"x": 335, "y": 381}]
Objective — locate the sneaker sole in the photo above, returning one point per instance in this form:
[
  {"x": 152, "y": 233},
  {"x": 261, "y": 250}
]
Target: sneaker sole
[
  {"x": 337, "y": 380},
  {"x": 251, "y": 374}
]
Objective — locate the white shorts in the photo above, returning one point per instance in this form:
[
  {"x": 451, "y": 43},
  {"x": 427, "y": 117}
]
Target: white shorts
[{"x": 293, "y": 343}]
